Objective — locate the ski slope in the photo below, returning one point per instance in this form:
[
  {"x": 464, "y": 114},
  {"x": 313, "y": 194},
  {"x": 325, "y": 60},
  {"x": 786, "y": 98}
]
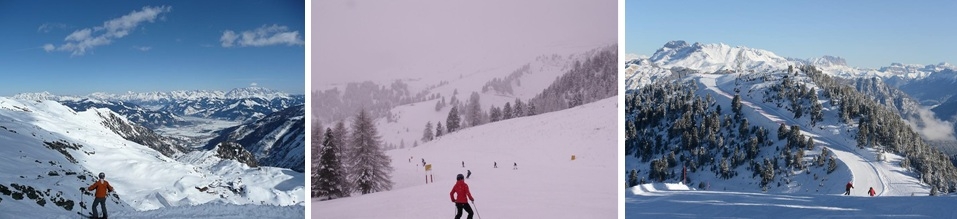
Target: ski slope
[
  {"x": 887, "y": 178},
  {"x": 547, "y": 183},
  {"x": 678, "y": 201},
  {"x": 143, "y": 178}
]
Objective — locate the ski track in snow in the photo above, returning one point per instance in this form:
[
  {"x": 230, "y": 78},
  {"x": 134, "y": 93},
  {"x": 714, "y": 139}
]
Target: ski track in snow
[{"x": 863, "y": 170}]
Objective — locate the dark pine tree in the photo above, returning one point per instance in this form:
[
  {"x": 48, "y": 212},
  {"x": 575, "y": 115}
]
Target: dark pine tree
[
  {"x": 371, "y": 167},
  {"x": 330, "y": 180},
  {"x": 439, "y": 130},
  {"x": 453, "y": 121}
]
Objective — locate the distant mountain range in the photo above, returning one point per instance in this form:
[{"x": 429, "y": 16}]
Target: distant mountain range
[
  {"x": 162, "y": 109},
  {"x": 151, "y": 98},
  {"x": 721, "y": 57}
]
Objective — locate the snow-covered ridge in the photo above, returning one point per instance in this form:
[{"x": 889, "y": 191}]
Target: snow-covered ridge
[
  {"x": 720, "y": 57},
  {"x": 716, "y": 57}
]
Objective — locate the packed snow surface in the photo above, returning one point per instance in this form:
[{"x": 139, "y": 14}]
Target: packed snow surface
[
  {"x": 547, "y": 183},
  {"x": 661, "y": 200}
]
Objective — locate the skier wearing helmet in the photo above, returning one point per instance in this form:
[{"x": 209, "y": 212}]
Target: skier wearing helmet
[
  {"x": 460, "y": 202},
  {"x": 101, "y": 187}
]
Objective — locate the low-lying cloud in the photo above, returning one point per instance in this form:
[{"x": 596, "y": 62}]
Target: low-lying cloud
[{"x": 932, "y": 128}]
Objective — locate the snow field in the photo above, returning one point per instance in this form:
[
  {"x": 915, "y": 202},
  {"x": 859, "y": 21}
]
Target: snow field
[{"x": 547, "y": 183}]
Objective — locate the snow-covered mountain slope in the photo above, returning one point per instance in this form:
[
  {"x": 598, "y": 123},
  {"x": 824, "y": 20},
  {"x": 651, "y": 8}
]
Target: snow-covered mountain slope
[
  {"x": 928, "y": 85},
  {"x": 888, "y": 178},
  {"x": 762, "y": 108},
  {"x": 679, "y": 201},
  {"x": 54, "y": 149},
  {"x": 275, "y": 140},
  {"x": 405, "y": 124},
  {"x": 547, "y": 183},
  {"x": 717, "y": 57}
]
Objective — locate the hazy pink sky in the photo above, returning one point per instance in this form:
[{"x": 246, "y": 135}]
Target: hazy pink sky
[{"x": 357, "y": 40}]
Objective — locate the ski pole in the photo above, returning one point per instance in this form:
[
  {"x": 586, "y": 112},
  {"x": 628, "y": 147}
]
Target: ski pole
[{"x": 476, "y": 210}]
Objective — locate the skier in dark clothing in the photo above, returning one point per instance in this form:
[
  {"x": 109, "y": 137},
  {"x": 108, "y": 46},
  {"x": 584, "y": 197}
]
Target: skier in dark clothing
[
  {"x": 101, "y": 187},
  {"x": 460, "y": 201},
  {"x": 514, "y": 166},
  {"x": 871, "y": 192},
  {"x": 469, "y": 174},
  {"x": 495, "y": 165},
  {"x": 463, "y": 164},
  {"x": 848, "y": 188}
]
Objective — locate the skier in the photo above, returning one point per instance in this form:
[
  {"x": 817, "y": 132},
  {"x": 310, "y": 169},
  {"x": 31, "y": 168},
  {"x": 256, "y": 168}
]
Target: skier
[
  {"x": 469, "y": 174},
  {"x": 460, "y": 202},
  {"x": 871, "y": 192},
  {"x": 495, "y": 165},
  {"x": 423, "y": 162},
  {"x": 102, "y": 187},
  {"x": 848, "y": 188},
  {"x": 514, "y": 166},
  {"x": 463, "y": 164}
]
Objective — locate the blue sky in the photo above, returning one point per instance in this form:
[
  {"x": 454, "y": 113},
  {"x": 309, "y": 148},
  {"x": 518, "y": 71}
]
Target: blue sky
[
  {"x": 866, "y": 33},
  {"x": 80, "y": 47}
]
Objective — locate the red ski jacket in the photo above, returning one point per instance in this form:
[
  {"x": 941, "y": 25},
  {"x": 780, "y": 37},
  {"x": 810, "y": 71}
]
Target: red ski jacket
[
  {"x": 849, "y": 186},
  {"x": 463, "y": 190}
]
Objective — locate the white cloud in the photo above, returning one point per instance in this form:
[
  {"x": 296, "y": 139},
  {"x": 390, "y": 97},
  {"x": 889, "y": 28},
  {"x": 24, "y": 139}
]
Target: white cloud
[
  {"x": 254, "y": 84},
  {"x": 142, "y": 48},
  {"x": 47, "y": 27},
  {"x": 82, "y": 40},
  {"x": 48, "y": 47},
  {"x": 262, "y": 36},
  {"x": 932, "y": 128}
]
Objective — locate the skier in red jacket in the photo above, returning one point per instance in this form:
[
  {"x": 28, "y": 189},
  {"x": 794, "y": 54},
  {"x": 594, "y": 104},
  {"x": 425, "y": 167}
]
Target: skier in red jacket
[
  {"x": 460, "y": 201},
  {"x": 871, "y": 192},
  {"x": 848, "y": 187}
]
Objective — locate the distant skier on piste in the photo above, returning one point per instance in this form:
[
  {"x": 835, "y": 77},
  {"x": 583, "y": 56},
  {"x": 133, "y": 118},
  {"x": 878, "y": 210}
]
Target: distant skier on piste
[
  {"x": 460, "y": 202},
  {"x": 871, "y": 192},
  {"x": 468, "y": 174},
  {"x": 848, "y": 187},
  {"x": 101, "y": 187}
]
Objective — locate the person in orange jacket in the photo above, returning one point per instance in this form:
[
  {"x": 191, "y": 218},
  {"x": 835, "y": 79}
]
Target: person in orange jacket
[
  {"x": 871, "y": 192},
  {"x": 460, "y": 202},
  {"x": 101, "y": 187}
]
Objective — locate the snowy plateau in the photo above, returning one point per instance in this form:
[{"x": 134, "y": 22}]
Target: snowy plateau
[
  {"x": 573, "y": 91},
  {"x": 782, "y": 178},
  {"x": 56, "y": 145}
]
